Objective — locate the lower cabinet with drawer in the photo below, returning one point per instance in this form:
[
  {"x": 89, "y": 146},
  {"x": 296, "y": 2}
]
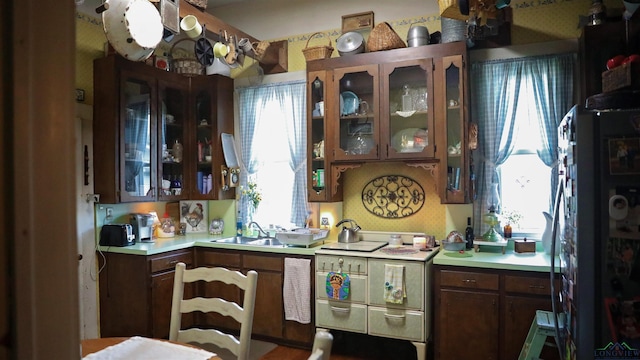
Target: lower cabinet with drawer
[
  {"x": 269, "y": 321},
  {"x": 485, "y": 313},
  {"x": 135, "y": 293},
  {"x": 365, "y": 310}
]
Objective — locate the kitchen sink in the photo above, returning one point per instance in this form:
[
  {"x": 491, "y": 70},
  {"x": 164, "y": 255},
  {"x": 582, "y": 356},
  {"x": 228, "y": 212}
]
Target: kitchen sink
[{"x": 246, "y": 240}]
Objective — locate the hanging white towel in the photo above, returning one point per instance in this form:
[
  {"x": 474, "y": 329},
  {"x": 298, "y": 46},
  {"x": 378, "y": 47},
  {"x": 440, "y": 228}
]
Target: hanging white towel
[
  {"x": 296, "y": 290},
  {"x": 394, "y": 284}
]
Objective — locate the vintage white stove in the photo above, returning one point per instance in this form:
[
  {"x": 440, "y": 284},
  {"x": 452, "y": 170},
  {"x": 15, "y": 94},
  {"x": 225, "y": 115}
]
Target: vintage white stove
[{"x": 367, "y": 306}]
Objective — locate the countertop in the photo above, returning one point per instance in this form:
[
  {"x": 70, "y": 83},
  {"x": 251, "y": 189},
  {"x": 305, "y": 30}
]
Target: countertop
[
  {"x": 487, "y": 257},
  {"x": 493, "y": 258},
  {"x": 161, "y": 245}
]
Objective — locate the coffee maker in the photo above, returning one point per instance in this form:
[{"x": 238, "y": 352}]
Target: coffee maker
[{"x": 142, "y": 227}]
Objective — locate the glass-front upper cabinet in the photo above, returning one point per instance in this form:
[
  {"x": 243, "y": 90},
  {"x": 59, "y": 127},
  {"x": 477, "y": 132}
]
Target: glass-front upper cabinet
[
  {"x": 357, "y": 112},
  {"x": 318, "y": 169},
  {"x": 407, "y": 118},
  {"x": 204, "y": 123},
  {"x": 454, "y": 173},
  {"x": 137, "y": 169},
  {"x": 171, "y": 132}
]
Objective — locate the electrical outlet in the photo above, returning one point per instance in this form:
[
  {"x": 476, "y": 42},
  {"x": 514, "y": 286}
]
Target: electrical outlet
[
  {"x": 324, "y": 221},
  {"x": 109, "y": 215}
]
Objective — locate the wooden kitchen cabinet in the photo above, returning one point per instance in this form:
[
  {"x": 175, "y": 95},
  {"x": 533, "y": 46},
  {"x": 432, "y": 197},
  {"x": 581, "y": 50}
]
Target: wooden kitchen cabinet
[
  {"x": 455, "y": 174},
  {"x": 385, "y": 106},
  {"x": 268, "y": 321},
  {"x": 485, "y": 313},
  {"x": 468, "y": 325},
  {"x": 142, "y": 116},
  {"x": 524, "y": 295},
  {"x": 211, "y": 103},
  {"x": 135, "y": 293},
  {"x": 318, "y": 138}
]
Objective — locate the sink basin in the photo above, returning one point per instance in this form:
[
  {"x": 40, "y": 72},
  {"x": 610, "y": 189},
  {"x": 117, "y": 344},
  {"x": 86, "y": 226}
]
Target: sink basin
[{"x": 245, "y": 240}]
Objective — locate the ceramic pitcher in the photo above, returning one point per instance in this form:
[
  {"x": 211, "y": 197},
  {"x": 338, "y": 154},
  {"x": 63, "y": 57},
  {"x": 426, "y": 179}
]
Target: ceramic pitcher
[{"x": 546, "y": 235}]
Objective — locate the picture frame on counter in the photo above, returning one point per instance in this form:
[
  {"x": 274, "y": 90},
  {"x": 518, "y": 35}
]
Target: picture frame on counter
[{"x": 195, "y": 214}]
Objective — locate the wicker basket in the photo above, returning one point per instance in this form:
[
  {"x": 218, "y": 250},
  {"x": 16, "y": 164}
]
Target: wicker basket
[
  {"x": 185, "y": 66},
  {"x": 383, "y": 37},
  {"x": 202, "y": 4},
  {"x": 317, "y": 52},
  {"x": 450, "y": 9},
  {"x": 260, "y": 48}
]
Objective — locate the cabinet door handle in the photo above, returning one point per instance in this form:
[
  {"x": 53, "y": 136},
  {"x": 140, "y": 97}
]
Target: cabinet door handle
[
  {"x": 473, "y": 281},
  {"x": 540, "y": 287},
  {"x": 391, "y": 316},
  {"x": 339, "y": 309}
]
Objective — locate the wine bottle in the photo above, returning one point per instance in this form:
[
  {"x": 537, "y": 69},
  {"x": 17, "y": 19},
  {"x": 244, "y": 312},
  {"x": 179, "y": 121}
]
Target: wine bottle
[{"x": 468, "y": 234}]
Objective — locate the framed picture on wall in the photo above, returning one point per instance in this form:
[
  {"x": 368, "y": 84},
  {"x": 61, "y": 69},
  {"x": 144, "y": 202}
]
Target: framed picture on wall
[
  {"x": 623, "y": 156},
  {"x": 194, "y": 213}
]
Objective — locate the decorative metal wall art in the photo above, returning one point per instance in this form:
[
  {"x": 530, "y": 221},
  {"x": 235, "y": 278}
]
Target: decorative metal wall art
[{"x": 393, "y": 196}]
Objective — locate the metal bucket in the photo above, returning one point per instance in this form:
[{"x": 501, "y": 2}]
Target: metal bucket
[
  {"x": 417, "y": 36},
  {"x": 453, "y": 30}
]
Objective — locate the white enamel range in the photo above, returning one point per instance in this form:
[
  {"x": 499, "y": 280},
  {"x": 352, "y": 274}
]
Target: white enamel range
[{"x": 366, "y": 308}]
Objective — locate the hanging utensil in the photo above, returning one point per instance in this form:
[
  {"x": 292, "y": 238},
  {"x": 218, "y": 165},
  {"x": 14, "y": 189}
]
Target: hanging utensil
[
  {"x": 203, "y": 49},
  {"x": 132, "y": 27},
  {"x": 232, "y": 56}
]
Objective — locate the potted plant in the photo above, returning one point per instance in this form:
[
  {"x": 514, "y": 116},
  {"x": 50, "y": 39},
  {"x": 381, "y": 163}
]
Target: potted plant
[{"x": 510, "y": 218}]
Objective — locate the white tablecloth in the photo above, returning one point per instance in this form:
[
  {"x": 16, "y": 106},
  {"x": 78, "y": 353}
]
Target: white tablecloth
[{"x": 141, "y": 348}]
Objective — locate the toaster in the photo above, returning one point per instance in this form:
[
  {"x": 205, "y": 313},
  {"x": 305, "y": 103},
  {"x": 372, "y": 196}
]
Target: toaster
[{"x": 117, "y": 235}]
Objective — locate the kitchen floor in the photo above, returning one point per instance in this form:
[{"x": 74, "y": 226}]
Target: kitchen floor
[{"x": 352, "y": 346}]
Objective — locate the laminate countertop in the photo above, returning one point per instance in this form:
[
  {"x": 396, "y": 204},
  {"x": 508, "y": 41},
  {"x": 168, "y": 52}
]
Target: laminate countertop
[
  {"x": 493, "y": 258},
  {"x": 162, "y": 245}
]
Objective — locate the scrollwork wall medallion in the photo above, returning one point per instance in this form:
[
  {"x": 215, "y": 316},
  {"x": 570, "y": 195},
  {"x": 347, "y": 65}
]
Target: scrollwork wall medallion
[{"x": 393, "y": 196}]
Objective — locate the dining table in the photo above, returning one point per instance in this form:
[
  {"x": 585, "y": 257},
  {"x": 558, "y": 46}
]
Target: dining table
[{"x": 92, "y": 346}]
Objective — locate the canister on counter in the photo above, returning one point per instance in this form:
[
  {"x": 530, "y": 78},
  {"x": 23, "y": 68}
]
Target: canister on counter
[{"x": 420, "y": 242}]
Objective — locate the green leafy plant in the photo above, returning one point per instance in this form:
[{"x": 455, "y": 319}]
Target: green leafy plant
[{"x": 252, "y": 193}]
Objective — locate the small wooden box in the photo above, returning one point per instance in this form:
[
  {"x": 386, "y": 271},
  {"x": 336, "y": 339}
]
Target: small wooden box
[
  {"x": 524, "y": 246},
  {"x": 621, "y": 77}
]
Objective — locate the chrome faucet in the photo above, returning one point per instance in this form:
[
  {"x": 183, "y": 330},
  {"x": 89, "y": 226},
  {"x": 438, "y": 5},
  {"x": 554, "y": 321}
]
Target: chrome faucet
[{"x": 261, "y": 233}]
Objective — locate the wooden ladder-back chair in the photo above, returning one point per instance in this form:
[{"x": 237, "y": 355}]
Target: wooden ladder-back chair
[{"x": 239, "y": 346}]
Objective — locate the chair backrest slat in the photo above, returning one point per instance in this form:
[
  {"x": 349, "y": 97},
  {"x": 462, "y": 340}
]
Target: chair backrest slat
[{"x": 240, "y": 345}]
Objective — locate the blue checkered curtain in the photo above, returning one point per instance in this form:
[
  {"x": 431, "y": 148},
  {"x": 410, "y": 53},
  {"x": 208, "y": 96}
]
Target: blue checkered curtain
[
  {"x": 253, "y": 102},
  {"x": 496, "y": 87},
  {"x": 552, "y": 82}
]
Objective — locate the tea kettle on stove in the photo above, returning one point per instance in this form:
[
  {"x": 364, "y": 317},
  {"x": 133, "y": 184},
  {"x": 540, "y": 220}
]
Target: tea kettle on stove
[{"x": 348, "y": 235}]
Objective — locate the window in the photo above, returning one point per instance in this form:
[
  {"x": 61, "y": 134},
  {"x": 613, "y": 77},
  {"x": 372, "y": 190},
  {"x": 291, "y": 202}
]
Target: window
[
  {"x": 524, "y": 177},
  {"x": 522, "y": 102},
  {"x": 274, "y": 175},
  {"x": 273, "y": 136}
]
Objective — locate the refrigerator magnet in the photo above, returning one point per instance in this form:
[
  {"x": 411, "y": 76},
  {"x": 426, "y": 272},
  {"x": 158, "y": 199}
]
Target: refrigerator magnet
[{"x": 618, "y": 207}]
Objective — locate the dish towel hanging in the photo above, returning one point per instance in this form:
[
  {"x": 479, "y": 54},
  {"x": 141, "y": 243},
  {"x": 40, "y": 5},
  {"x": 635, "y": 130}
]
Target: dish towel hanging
[
  {"x": 337, "y": 285},
  {"x": 394, "y": 284},
  {"x": 296, "y": 290}
]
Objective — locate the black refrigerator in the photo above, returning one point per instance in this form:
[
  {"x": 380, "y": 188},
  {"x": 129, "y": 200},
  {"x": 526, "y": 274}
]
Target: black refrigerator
[{"x": 597, "y": 230}]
